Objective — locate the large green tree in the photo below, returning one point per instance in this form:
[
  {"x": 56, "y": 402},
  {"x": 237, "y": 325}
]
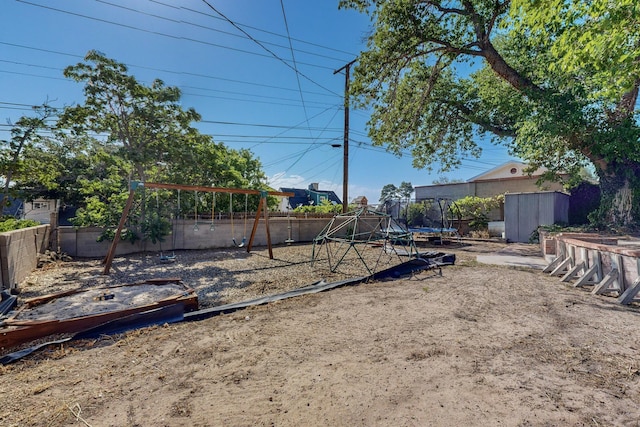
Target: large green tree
[
  {"x": 140, "y": 132},
  {"x": 24, "y": 157},
  {"x": 555, "y": 81},
  {"x": 146, "y": 123},
  {"x": 389, "y": 192}
]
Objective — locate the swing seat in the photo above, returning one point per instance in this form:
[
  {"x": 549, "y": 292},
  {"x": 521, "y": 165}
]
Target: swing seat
[
  {"x": 167, "y": 258},
  {"x": 244, "y": 240}
]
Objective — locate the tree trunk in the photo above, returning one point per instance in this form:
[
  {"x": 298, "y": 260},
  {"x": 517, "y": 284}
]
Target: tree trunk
[{"x": 620, "y": 201}]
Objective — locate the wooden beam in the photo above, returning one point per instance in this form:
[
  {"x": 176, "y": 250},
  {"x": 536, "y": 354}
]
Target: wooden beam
[
  {"x": 605, "y": 284},
  {"x": 587, "y": 277},
  {"x": 266, "y": 223},
  {"x": 562, "y": 268},
  {"x": 552, "y": 265},
  {"x": 573, "y": 271},
  {"x": 116, "y": 238},
  {"x": 255, "y": 225},
  {"x": 629, "y": 295},
  {"x": 211, "y": 189},
  {"x": 261, "y": 205}
]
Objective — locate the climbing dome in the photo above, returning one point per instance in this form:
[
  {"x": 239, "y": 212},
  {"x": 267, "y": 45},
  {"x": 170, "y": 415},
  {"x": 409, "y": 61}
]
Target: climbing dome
[{"x": 365, "y": 236}]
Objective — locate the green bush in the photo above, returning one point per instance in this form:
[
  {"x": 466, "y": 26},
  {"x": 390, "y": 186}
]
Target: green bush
[
  {"x": 9, "y": 224},
  {"x": 415, "y": 213},
  {"x": 326, "y": 207},
  {"x": 476, "y": 209}
]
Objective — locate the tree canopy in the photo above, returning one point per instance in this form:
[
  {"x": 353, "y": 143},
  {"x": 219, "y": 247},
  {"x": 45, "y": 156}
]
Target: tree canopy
[
  {"x": 391, "y": 192},
  {"x": 123, "y": 131},
  {"x": 556, "y": 82},
  {"x": 23, "y": 158}
]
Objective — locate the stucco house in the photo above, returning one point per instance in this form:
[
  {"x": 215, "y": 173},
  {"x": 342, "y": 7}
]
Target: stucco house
[
  {"x": 509, "y": 177},
  {"x": 360, "y": 201}
]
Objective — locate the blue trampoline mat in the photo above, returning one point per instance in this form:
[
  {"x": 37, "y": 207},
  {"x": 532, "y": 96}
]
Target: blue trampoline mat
[{"x": 433, "y": 230}]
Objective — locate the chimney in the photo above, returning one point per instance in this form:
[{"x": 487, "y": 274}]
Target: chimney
[{"x": 313, "y": 186}]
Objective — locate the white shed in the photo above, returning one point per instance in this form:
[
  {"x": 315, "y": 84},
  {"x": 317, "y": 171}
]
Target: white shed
[{"x": 525, "y": 212}]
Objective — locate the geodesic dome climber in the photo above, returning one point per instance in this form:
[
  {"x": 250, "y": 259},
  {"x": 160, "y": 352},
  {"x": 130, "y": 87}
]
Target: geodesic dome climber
[{"x": 373, "y": 238}]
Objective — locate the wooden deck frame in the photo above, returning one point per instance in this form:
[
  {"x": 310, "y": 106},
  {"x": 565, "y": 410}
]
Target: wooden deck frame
[
  {"x": 593, "y": 272},
  {"x": 588, "y": 269},
  {"x": 135, "y": 185},
  {"x": 630, "y": 294},
  {"x": 614, "y": 280}
]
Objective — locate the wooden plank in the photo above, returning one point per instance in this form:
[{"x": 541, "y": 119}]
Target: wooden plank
[
  {"x": 255, "y": 225},
  {"x": 206, "y": 189},
  {"x": 605, "y": 284},
  {"x": 587, "y": 277},
  {"x": 552, "y": 265},
  {"x": 116, "y": 238},
  {"x": 572, "y": 272},
  {"x": 629, "y": 295},
  {"x": 266, "y": 223},
  {"x": 584, "y": 256},
  {"x": 598, "y": 263},
  {"x": 617, "y": 259},
  {"x": 562, "y": 268},
  {"x": 572, "y": 254}
]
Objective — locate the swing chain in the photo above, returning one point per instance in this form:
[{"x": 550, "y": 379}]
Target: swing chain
[
  {"x": 195, "y": 225},
  {"x": 213, "y": 211}
]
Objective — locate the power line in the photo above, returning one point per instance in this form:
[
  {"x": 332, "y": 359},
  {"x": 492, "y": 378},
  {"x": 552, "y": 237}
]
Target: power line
[
  {"x": 264, "y": 125},
  {"x": 35, "y": 75},
  {"x": 298, "y": 138},
  {"x": 187, "y": 73},
  {"x": 265, "y": 48},
  {"x": 205, "y": 27},
  {"x": 204, "y": 89},
  {"x": 351, "y": 54},
  {"x": 295, "y": 65},
  {"x": 295, "y": 102},
  {"x": 158, "y": 33}
]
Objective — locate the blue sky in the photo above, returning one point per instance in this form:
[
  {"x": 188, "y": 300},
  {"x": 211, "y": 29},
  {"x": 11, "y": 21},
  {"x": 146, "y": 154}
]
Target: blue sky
[{"x": 239, "y": 75}]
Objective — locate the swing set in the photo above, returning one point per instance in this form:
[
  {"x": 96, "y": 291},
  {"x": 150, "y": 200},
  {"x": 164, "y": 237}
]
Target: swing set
[
  {"x": 246, "y": 208},
  {"x": 261, "y": 205}
]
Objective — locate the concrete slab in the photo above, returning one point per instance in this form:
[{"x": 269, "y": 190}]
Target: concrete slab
[{"x": 537, "y": 263}]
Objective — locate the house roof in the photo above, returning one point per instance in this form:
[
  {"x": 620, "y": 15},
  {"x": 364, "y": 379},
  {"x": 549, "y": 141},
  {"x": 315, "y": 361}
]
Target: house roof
[
  {"x": 360, "y": 200},
  {"x": 506, "y": 170},
  {"x": 302, "y": 197},
  {"x": 14, "y": 208}
]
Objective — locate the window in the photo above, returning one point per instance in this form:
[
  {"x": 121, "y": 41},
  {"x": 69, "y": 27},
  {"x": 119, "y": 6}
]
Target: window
[
  {"x": 41, "y": 205},
  {"x": 513, "y": 171}
]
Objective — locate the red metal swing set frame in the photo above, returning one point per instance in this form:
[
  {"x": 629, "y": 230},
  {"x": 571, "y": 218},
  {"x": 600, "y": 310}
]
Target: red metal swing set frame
[{"x": 135, "y": 185}]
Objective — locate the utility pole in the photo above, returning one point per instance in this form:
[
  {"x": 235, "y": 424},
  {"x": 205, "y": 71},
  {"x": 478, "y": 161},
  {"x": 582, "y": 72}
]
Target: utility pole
[{"x": 345, "y": 143}]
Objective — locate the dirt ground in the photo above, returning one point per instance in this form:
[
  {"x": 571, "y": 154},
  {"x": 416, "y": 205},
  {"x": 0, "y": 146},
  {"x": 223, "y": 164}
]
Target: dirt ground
[{"x": 480, "y": 345}]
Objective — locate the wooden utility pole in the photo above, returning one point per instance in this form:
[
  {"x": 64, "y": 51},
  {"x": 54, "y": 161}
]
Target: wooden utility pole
[{"x": 345, "y": 143}]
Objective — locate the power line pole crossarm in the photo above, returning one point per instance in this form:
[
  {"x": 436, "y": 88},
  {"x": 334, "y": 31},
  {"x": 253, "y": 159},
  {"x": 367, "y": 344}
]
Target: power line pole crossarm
[{"x": 345, "y": 143}]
